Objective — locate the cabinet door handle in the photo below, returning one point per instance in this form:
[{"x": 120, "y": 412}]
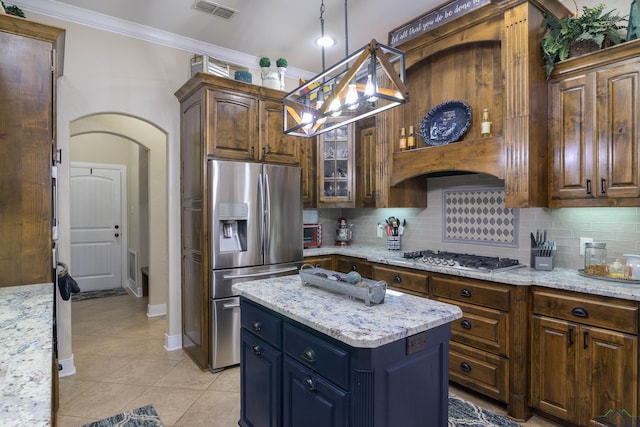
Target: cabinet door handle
[
  {"x": 570, "y": 336},
  {"x": 256, "y": 325},
  {"x": 465, "y": 324},
  {"x": 585, "y": 336},
  {"x": 397, "y": 278},
  {"x": 465, "y": 293},
  {"x": 309, "y": 384},
  {"x": 252, "y": 153},
  {"x": 580, "y": 312},
  {"x": 309, "y": 355},
  {"x": 603, "y": 183},
  {"x": 465, "y": 367},
  {"x": 257, "y": 350},
  {"x": 588, "y": 189}
]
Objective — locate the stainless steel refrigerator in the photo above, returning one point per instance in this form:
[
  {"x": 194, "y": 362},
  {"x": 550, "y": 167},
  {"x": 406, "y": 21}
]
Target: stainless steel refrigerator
[{"x": 256, "y": 232}]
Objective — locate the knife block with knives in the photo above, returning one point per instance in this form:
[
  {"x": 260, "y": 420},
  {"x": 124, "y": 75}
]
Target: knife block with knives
[{"x": 543, "y": 251}]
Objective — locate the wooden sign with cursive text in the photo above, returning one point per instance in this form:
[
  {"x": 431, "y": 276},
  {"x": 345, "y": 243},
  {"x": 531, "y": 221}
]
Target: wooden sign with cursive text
[{"x": 434, "y": 19}]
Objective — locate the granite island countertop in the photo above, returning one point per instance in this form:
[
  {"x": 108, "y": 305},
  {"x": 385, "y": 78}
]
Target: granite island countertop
[
  {"x": 345, "y": 319},
  {"x": 26, "y": 333},
  {"x": 558, "y": 278}
]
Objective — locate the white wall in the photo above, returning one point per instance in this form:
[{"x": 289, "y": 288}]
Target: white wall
[{"x": 108, "y": 73}]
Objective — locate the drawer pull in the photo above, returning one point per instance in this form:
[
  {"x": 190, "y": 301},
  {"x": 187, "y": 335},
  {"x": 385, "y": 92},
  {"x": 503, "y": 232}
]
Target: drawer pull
[
  {"x": 397, "y": 278},
  {"x": 465, "y": 367},
  {"x": 465, "y": 324},
  {"x": 465, "y": 293},
  {"x": 256, "y": 325},
  {"x": 257, "y": 350},
  {"x": 309, "y": 355},
  {"x": 309, "y": 384},
  {"x": 580, "y": 312},
  {"x": 354, "y": 267},
  {"x": 318, "y": 265}
]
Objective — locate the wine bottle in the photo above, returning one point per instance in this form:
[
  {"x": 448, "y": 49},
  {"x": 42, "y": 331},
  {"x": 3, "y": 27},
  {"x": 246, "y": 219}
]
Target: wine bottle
[
  {"x": 411, "y": 139},
  {"x": 485, "y": 125},
  {"x": 403, "y": 140}
]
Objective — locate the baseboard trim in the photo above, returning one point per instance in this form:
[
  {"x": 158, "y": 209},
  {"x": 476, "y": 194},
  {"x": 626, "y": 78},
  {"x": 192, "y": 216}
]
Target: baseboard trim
[
  {"x": 172, "y": 342},
  {"x": 156, "y": 310},
  {"x": 68, "y": 367}
]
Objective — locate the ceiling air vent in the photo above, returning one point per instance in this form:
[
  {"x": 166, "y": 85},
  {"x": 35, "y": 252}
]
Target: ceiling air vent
[{"x": 214, "y": 9}]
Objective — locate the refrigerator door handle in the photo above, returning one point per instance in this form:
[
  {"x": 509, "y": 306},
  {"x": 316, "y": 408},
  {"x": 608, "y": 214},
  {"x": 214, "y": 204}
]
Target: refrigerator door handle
[
  {"x": 262, "y": 210},
  {"x": 267, "y": 214},
  {"x": 262, "y": 273}
]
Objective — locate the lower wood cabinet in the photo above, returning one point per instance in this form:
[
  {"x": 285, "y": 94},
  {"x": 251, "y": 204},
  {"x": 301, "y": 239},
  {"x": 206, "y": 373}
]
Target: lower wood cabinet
[
  {"x": 325, "y": 262},
  {"x": 406, "y": 280},
  {"x": 345, "y": 264},
  {"x": 584, "y": 354}
]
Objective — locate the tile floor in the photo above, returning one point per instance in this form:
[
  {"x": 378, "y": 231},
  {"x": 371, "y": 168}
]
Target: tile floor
[{"x": 121, "y": 364}]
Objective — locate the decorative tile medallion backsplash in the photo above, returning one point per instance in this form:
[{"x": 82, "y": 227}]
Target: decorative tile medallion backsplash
[{"x": 478, "y": 215}]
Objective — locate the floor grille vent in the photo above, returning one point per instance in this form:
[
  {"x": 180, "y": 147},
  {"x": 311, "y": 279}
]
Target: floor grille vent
[{"x": 214, "y": 9}]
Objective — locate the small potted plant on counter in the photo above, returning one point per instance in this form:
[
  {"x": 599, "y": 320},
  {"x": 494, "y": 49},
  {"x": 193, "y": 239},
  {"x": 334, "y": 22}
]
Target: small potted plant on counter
[{"x": 575, "y": 35}]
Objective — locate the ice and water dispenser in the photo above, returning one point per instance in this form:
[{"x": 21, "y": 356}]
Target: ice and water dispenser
[{"x": 232, "y": 227}]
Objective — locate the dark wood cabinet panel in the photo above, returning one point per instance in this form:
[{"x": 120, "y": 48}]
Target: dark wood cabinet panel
[
  {"x": 232, "y": 125},
  {"x": 594, "y": 117},
  {"x": 27, "y": 146},
  {"x": 275, "y": 146}
]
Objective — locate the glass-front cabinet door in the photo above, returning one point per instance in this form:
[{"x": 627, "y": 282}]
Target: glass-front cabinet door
[{"x": 336, "y": 168}]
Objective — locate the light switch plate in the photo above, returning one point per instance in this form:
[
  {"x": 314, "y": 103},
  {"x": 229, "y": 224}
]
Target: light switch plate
[{"x": 584, "y": 240}]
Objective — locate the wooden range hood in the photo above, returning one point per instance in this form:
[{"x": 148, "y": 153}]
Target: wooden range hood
[{"x": 489, "y": 58}]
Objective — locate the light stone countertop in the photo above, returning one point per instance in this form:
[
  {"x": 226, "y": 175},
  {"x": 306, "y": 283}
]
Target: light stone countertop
[
  {"x": 558, "y": 278},
  {"x": 26, "y": 333},
  {"x": 345, "y": 319}
]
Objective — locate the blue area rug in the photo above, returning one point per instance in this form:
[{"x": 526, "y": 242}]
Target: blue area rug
[
  {"x": 465, "y": 414},
  {"x": 141, "y": 417}
]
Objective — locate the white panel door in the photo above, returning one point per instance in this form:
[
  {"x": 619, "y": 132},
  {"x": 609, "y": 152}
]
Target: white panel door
[{"x": 96, "y": 228}]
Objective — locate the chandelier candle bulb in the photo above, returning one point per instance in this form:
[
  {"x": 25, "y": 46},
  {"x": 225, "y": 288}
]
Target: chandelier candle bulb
[
  {"x": 403, "y": 140},
  {"x": 485, "y": 126}
]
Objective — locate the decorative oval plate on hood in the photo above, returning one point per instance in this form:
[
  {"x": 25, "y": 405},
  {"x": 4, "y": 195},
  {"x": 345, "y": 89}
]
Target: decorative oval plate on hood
[{"x": 446, "y": 123}]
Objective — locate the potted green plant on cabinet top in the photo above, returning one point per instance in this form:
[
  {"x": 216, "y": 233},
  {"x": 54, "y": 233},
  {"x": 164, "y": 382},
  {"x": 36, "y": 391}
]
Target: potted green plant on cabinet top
[{"x": 574, "y": 35}]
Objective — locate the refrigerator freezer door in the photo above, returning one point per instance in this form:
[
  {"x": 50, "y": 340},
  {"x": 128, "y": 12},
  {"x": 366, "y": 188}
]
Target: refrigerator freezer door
[
  {"x": 225, "y": 333},
  {"x": 283, "y": 213},
  {"x": 236, "y": 207}
]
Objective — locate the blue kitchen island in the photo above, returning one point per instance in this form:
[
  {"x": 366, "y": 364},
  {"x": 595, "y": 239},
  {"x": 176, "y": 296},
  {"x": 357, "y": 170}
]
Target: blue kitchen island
[{"x": 313, "y": 358}]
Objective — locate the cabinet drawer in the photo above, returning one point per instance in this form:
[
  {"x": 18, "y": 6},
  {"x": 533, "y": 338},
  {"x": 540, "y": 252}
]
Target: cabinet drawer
[
  {"x": 325, "y": 262},
  {"x": 471, "y": 291},
  {"x": 481, "y": 327},
  {"x": 480, "y": 371},
  {"x": 347, "y": 264},
  {"x": 587, "y": 309},
  {"x": 402, "y": 278},
  {"x": 262, "y": 323},
  {"x": 326, "y": 359}
]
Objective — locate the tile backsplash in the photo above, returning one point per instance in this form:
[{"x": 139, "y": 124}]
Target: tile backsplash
[{"x": 619, "y": 228}]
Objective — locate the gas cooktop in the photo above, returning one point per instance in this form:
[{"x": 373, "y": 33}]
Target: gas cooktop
[{"x": 463, "y": 261}]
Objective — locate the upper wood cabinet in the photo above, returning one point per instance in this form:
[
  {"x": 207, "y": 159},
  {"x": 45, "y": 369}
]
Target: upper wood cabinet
[
  {"x": 594, "y": 112},
  {"x": 336, "y": 168},
  {"x": 489, "y": 58},
  {"x": 240, "y": 121},
  {"x": 32, "y": 59}
]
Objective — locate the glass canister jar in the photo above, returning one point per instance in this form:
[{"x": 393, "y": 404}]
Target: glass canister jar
[{"x": 595, "y": 258}]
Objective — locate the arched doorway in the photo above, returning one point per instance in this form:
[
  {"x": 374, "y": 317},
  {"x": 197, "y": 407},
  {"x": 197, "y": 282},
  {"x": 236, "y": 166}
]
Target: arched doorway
[{"x": 104, "y": 130}]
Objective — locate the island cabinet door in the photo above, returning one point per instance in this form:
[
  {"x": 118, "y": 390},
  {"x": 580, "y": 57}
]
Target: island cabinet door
[
  {"x": 260, "y": 378},
  {"x": 311, "y": 401}
]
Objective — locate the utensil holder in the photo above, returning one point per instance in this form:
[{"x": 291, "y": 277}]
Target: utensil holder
[
  {"x": 393, "y": 243},
  {"x": 539, "y": 262}
]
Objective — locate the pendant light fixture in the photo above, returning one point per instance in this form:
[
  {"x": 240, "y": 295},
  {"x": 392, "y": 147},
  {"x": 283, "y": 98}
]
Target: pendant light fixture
[{"x": 367, "y": 82}]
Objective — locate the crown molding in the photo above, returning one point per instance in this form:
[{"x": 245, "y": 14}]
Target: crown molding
[{"x": 123, "y": 27}]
